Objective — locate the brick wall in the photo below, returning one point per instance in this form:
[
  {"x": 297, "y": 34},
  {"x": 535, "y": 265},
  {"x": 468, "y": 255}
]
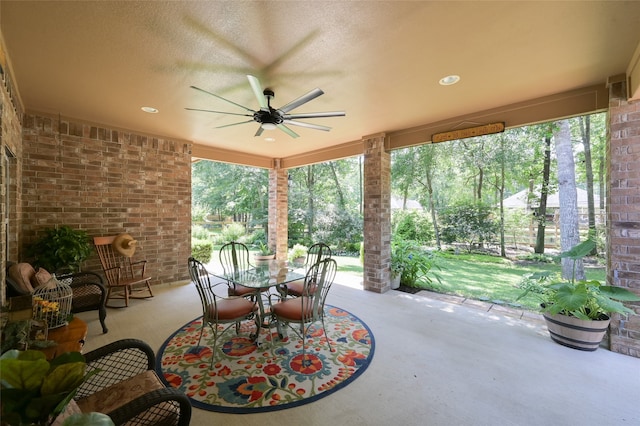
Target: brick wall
[
  {"x": 10, "y": 167},
  {"x": 623, "y": 214},
  {"x": 105, "y": 182}
]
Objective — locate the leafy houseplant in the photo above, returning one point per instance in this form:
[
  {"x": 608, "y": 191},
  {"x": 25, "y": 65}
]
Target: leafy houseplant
[
  {"x": 264, "y": 253},
  {"x": 34, "y": 390},
  {"x": 61, "y": 248},
  {"x": 581, "y": 303},
  {"x": 298, "y": 253},
  {"x": 412, "y": 262}
]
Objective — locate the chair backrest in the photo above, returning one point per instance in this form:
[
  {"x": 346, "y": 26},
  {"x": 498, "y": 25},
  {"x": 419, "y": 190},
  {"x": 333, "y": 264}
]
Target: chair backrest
[
  {"x": 317, "y": 283},
  {"x": 316, "y": 253},
  {"x": 115, "y": 266},
  {"x": 201, "y": 278},
  {"x": 234, "y": 256}
]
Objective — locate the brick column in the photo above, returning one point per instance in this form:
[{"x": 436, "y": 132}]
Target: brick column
[
  {"x": 278, "y": 210},
  {"x": 623, "y": 214},
  {"x": 377, "y": 214}
]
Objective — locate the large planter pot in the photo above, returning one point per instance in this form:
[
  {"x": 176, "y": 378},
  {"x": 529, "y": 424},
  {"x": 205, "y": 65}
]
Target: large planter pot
[
  {"x": 395, "y": 282},
  {"x": 261, "y": 259},
  {"x": 584, "y": 335}
]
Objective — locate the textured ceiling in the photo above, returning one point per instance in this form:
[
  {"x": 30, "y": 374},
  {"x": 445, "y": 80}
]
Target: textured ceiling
[{"x": 101, "y": 61}]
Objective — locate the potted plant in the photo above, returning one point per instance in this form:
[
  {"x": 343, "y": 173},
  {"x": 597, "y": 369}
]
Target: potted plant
[
  {"x": 35, "y": 391},
  {"x": 412, "y": 262},
  {"x": 298, "y": 253},
  {"x": 61, "y": 249},
  {"x": 397, "y": 266},
  {"x": 264, "y": 253},
  {"x": 577, "y": 312}
]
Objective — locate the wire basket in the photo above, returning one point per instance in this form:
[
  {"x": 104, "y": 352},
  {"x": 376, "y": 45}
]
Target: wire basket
[{"x": 52, "y": 303}]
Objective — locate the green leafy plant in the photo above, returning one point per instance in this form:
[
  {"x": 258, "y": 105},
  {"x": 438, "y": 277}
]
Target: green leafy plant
[
  {"x": 264, "y": 249},
  {"x": 297, "y": 251},
  {"x": 34, "y": 390},
  {"x": 583, "y": 299},
  {"x": 61, "y": 249},
  {"x": 201, "y": 250},
  {"x": 412, "y": 262}
]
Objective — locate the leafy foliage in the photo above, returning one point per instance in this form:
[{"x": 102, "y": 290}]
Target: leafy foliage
[
  {"x": 233, "y": 232},
  {"x": 35, "y": 390},
  {"x": 412, "y": 262},
  {"x": 297, "y": 251},
  {"x": 61, "y": 248},
  {"x": 201, "y": 250},
  {"x": 412, "y": 226},
  {"x": 468, "y": 222},
  {"x": 587, "y": 300}
]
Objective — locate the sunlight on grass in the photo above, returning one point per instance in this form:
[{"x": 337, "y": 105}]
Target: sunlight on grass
[{"x": 480, "y": 277}]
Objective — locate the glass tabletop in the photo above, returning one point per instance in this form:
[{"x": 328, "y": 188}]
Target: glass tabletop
[{"x": 268, "y": 274}]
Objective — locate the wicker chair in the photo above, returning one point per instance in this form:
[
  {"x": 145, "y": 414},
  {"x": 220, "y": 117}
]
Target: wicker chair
[
  {"x": 89, "y": 292},
  {"x": 127, "y": 388}
]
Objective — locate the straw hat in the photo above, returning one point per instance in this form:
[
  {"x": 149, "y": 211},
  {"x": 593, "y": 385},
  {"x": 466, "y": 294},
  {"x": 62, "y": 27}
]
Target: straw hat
[{"x": 125, "y": 245}]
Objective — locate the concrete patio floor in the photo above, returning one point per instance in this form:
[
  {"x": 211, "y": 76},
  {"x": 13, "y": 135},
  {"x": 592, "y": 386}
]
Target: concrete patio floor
[{"x": 439, "y": 360}]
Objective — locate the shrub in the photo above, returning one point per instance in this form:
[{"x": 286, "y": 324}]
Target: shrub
[
  {"x": 233, "y": 232},
  {"x": 297, "y": 251},
  {"x": 201, "y": 250},
  {"x": 468, "y": 222},
  {"x": 200, "y": 232},
  {"x": 412, "y": 226}
]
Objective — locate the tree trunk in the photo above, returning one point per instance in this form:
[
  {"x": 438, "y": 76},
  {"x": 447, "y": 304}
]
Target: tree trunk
[
  {"x": 503, "y": 252},
  {"x": 544, "y": 192},
  {"x": 585, "y": 132},
  {"x": 569, "y": 232},
  {"x": 434, "y": 218},
  {"x": 336, "y": 181},
  {"x": 311, "y": 209}
]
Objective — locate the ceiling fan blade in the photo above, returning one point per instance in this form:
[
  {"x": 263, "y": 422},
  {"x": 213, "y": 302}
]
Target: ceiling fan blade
[
  {"x": 235, "y": 124},
  {"x": 301, "y": 100},
  {"x": 259, "y": 132},
  {"x": 309, "y": 125},
  {"x": 314, "y": 115},
  {"x": 219, "y": 112},
  {"x": 220, "y": 97},
  {"x": 288, "y": 130},
  {"x": 257, "y": 91}
]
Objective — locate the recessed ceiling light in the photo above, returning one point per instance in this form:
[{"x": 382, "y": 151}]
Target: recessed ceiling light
[
  {"x": 449, "y": 80},
  {"x": 270, "y": 139},
  {"x": 150, "y": 110}
]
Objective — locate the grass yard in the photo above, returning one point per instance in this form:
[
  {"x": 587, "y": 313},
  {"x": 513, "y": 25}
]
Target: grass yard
[{"x": 481, "y": 277}]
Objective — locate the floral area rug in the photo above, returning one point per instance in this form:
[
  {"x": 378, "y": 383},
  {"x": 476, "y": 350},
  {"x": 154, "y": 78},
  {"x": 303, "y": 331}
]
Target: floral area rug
[{"x": 269, "y": 374}]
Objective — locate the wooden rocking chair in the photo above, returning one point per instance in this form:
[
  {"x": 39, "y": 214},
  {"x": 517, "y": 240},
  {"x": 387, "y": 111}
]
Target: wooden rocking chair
[{"x": 125, "y": 278}]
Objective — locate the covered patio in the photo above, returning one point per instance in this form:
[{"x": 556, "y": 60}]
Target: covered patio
[
  {"x": 437, "y": 361},
  {"x": 77, "y": 149}
]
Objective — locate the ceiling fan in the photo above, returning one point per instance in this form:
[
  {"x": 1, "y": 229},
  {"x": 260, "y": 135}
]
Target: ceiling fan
[{"x": 271, "y": 118}]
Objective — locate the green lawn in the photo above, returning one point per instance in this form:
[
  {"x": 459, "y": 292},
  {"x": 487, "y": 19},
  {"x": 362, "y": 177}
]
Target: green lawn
[{"x": 481, "y": 277}]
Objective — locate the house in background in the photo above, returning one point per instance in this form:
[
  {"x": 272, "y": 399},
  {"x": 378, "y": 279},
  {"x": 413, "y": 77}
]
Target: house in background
[{"x": 528, "y": 203}]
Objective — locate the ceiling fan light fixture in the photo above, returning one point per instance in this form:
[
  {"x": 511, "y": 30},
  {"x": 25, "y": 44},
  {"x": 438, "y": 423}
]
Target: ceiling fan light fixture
[
  {"x": 449, "y": 80},
  {"x": 268, "y": 126}
]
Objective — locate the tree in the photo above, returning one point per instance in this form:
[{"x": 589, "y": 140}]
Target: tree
[
  {"x": 569, "y": 231},
  {"x": 584, "y": 126}
]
